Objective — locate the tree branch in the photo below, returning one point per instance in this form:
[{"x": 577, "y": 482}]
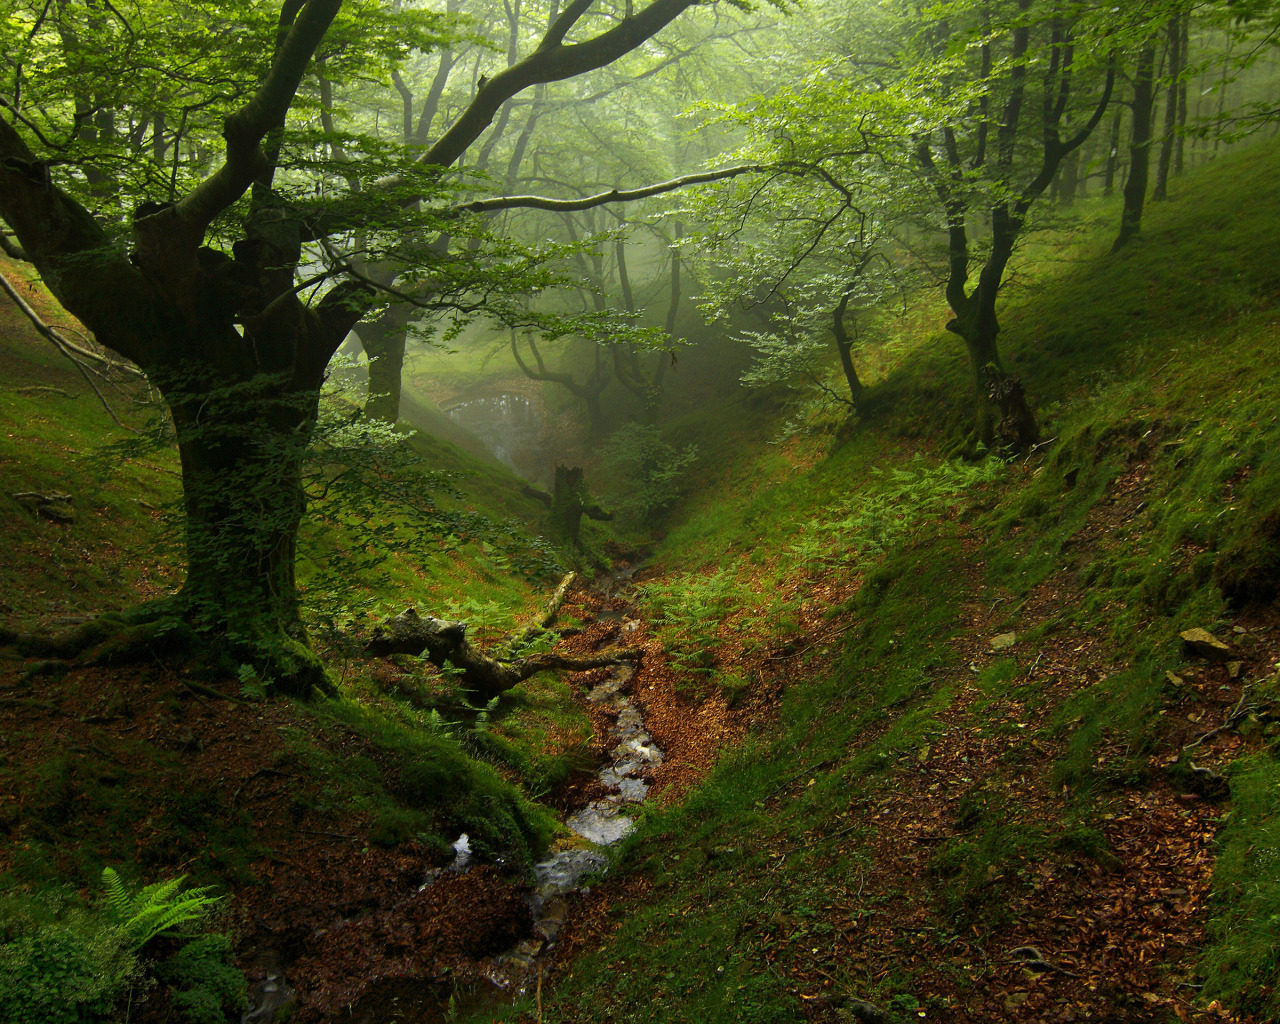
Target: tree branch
[
  {"x": 246, "y": 128},
  {"x": 602, "y": 198}
]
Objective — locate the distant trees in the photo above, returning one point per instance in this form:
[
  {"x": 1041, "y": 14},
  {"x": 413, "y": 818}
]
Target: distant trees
[{"x": 958, "y": 118}]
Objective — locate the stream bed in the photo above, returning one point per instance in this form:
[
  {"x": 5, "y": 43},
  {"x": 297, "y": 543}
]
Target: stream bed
[{"x": 602, "y": 823}]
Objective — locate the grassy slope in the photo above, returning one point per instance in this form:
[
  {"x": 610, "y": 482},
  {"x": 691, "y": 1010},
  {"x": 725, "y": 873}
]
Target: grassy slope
[
  {"x": 925, "y": 804},
  {"x": 121, "y": 547}
]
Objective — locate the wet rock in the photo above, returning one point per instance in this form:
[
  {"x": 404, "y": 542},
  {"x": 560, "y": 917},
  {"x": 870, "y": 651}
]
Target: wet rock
[
  {"x": 270, "y": 1000},
  {"x": 600, "y": 823}
]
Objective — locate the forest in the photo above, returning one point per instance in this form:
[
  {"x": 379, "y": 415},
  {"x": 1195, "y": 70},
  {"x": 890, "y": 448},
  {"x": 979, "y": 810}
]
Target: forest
[{"x": 601, "y": 511}]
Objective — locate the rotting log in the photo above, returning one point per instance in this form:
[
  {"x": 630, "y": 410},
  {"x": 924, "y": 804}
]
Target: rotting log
[
  {"x": 541, "y": 622},
  {"x": 443, "y": 642}
]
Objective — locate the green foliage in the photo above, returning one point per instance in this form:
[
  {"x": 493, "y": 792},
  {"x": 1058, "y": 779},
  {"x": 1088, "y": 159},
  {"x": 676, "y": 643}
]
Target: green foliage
[
  {"x": 1241, "y": 965},
  {"x": 691, "y": 610},
  {"x": 59, "y": 962},
  {"x": 879, "y": 519},
  {"x": 648, "y": 469},
  {"x": 206, "y": 985},
  {"x": 424, "y": 785},
  {"x": 62, "y": 962},
  {"x": 155, "y": 909}
]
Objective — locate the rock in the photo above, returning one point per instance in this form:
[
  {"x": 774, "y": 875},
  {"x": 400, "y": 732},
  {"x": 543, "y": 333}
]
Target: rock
[
  {"x": 269, "y": 1000},
  {"x": 1014, "y": 1000},
  {"x": 859, "y": 1011},
  {"x": 1003, "y": 640},
  {"x": 1174, "y": 678},
  {"x": 1233, "y": 669},
  {"x": 1204, "y": 644}
]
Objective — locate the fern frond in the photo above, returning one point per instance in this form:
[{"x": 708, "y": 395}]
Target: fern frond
[{"x": 156, "y": 908}]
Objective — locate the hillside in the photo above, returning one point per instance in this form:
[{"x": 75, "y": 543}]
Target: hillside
[
  {"x": 932, "y": 738},
  {"x": 982, "y": 776}
]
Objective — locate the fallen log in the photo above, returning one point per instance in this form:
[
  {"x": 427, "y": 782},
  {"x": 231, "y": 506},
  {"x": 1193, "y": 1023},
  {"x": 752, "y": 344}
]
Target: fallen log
[{"x": 444, "y": 643}]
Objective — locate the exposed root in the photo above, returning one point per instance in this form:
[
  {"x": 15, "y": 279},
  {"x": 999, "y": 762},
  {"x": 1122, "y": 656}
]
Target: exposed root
[{"x": 162, "y": 630}]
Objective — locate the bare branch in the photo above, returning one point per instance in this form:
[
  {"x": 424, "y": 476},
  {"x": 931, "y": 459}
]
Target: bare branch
[{"x": 602, "y": 198}]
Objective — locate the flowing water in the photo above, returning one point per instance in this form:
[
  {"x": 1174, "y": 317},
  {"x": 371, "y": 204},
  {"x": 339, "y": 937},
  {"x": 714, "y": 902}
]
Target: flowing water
[{"x": 602, "y": 823}]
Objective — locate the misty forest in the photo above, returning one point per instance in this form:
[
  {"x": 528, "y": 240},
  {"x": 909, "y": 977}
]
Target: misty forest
[{"x": 600, "y": 511}]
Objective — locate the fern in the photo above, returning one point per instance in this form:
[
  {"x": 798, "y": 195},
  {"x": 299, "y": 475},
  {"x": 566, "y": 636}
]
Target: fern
[{"x": 154, "y": 909}]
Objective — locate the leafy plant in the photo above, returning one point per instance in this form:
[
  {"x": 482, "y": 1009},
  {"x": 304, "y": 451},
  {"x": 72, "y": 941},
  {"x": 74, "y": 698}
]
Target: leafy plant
[
  {"x": 690, "y": 610},
  {"x": 62, "y": 962},
  {"x": 206, "y": 984},
  {"x": 650, "y": 471},
  {"x": 154, "y": 909}
]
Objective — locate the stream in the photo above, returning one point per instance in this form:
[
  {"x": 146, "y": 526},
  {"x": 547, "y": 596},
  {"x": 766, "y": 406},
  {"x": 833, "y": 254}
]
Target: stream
[
  {"x": 595, "y": 827},
  {"x": 602, "y": 823}
]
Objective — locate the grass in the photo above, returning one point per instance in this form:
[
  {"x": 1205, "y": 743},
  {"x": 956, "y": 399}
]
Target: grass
[{"x": 1156, "y": 377}]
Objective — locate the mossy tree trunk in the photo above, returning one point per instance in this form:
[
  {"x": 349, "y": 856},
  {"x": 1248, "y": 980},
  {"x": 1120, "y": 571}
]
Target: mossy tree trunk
[
  {"x": 241, "y": 445},
  {"x": 384, "y": 341},
  {"x": 1135, "y": 188},
  {"x": 570, "y": 501}
]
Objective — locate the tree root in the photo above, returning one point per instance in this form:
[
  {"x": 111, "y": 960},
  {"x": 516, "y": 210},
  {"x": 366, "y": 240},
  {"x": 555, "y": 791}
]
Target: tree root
[
  {"x": 445, "y": 645},
  {"x": 163, "y": 630}
]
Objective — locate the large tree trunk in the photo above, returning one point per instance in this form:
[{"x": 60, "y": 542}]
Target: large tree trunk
[{"x": 384, "y": 344}]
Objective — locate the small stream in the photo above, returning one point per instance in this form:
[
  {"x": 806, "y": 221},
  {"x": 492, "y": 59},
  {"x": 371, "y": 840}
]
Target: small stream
[
  {"x": 602, "y": 823},
  {"x": 597, "y": 826}
]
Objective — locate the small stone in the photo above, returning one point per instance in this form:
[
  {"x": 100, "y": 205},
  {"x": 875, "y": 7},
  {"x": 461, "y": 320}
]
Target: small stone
[
  {"x": 1014, "y": 1000},
  {"x": 1174, "y": 678},
  {"x": 859, "y": 1011},
  {"x": 1204, "y": 644},
  {"x": 1003, "y": 640},
  {"x": 1233, "y": 669}
]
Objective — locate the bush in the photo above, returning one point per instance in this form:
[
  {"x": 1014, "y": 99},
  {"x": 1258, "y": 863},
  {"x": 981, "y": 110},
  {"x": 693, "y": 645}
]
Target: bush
[
  {"x": 649, "y": 468},
  {"x": 62, "y": 962}
]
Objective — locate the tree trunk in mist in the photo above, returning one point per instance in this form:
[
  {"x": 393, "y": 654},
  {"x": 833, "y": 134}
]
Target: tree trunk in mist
[
  {"x": 570, "y": 502},
  {"x": 1184, "y": 45},
  {"x": 1168, "y": 141},
  {"x": 1135, "y": 188},
  {"x": 384, "y": 341},
  {"x": 1113, "y": 153}
]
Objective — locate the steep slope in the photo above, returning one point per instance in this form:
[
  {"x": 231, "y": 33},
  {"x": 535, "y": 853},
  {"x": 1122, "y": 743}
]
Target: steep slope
[{"x": 983, "y": 776}]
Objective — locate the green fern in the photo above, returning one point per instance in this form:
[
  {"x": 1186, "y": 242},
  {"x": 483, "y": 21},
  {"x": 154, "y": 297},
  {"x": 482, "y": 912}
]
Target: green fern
[{"x": 154, "y": 909}]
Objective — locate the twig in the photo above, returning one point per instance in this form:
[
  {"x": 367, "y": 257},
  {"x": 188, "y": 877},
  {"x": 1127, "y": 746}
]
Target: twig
[
  {"x": 1036, "y": 447},
  {"x": 1237, "y": 713}
]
